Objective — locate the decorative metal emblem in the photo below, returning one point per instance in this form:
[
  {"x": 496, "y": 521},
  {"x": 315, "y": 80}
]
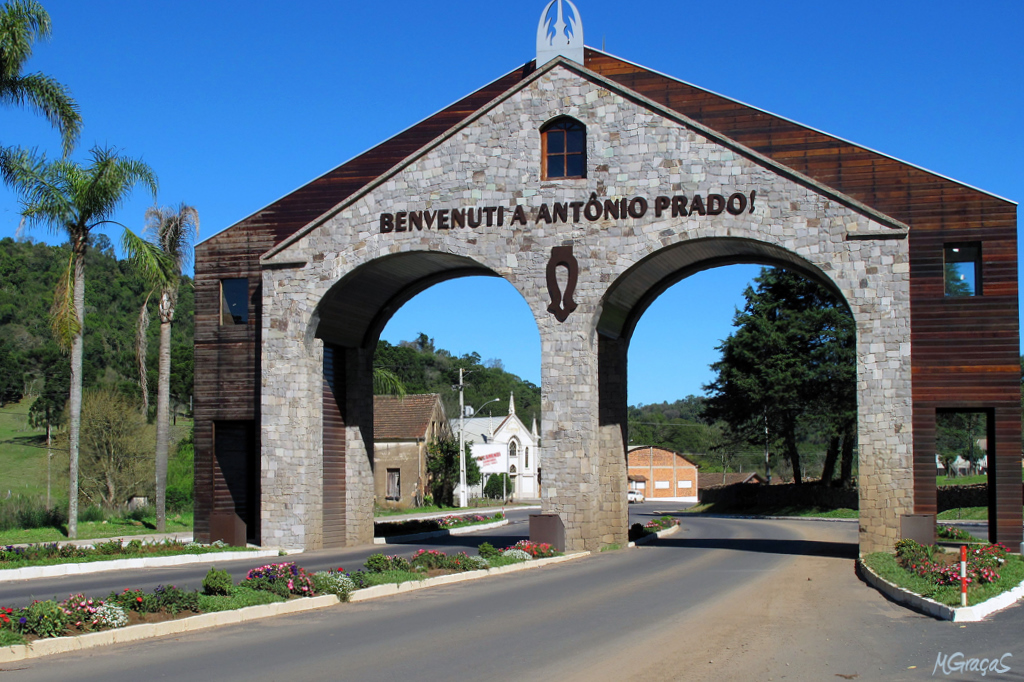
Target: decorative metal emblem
[
  {"x": 555, "y": 37},
  {"x": 561, "y": 302}
]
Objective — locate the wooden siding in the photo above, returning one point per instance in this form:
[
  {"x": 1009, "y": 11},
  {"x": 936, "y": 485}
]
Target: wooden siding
[
  {"x": 965, "y": 351},
  {"x": 334, "y": 447}
]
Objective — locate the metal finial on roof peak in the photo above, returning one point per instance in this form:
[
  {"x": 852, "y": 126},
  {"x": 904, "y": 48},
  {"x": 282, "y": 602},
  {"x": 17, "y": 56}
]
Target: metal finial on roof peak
[{"x": 559, "y": 33}]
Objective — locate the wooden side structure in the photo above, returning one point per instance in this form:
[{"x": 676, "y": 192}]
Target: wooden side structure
[{"x": 964, "y": 349}]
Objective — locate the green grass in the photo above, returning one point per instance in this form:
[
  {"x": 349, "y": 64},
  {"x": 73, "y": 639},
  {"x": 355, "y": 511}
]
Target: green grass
[
  {"x": 498, "y": 561},
  {"x": 87, "y": 530},
  {"x": 884, "y": 564},
  {"x": 10, "y": 638},
  {"x": 611, "y": 548},
  {"x": 965, "y": 514},
  {"x": 964, "y": 480},
  {"x": 239, "y": 599},
  {"x": 388, "y": 577},
  {"x": 22, "y": 453}
]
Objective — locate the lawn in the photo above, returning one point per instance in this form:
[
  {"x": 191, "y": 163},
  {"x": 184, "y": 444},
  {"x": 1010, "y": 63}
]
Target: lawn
[
  {"x": 176, "y": 523},
  {"x": 884, "y": 564},
  {"x": 964, "y": 480},
  {"x": 22, "y": 453},
  {"x": 774, "y": 511}
]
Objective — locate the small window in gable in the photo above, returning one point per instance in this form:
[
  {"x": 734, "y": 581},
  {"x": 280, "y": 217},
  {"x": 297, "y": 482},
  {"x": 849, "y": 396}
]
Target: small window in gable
[
  {"x": 962, "y": 269},
  {"x": 564, "y": 149}
]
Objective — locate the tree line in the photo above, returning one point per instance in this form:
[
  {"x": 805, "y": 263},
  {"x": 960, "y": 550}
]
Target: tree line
[{"x": 77, "y": 200}]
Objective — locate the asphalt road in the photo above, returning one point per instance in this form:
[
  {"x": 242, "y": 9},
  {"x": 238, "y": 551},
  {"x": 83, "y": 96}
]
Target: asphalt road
[
  {"x": 723, "y": 599},
  {"x": 23, "y": 592}
]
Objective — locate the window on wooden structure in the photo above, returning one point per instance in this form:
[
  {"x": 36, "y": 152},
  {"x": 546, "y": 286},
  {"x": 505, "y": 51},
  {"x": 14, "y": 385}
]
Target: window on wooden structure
[
  {"x": 234, "y": 301},
  {"x": 564, "y": 149},
  {"x": 962, "y": 269},
  {"x": 394, "y": 484},
  {"x": 962, "y": 443}
]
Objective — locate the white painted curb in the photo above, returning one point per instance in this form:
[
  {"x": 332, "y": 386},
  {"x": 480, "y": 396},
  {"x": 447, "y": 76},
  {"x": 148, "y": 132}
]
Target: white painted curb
[
  {"x": 58, "y": 570},
  {"x": 463, "y": 530},
  {"x": 378, "y": 591},
  {"x": 61, "y": 645},
  {"x": 959, "y": 614},
  {"x": 647, "y": 539}
]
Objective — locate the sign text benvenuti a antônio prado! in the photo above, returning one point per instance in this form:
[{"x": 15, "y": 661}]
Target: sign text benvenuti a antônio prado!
[{"x": 591, "y": 210}]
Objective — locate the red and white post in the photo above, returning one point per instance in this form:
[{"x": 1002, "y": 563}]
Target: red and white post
[{"x": 963, "y": 575}]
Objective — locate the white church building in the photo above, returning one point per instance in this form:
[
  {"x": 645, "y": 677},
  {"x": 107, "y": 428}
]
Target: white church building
[{"x": 504, "y": 444}]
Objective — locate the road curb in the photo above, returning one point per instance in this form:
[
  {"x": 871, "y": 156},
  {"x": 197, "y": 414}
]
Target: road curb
[
  {"x": 647, "y": 539},
  {"x": 464, "y": 530},
  {"x": 465, "y": 512},
  {"x": 958, "y": 614},
  {"x": 60, "y": 570},
  {"x": 62, "y": 645}
]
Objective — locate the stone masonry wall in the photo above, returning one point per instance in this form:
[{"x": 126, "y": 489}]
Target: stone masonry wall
[{"x": 633, "y": 151}]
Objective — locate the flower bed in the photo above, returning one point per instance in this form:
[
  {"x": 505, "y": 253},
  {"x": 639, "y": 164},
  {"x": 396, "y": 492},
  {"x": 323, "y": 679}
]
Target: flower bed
[
  {"x": 416, "y": 526},
  {"x": 637, "y": 531},
  {"x": 50, "y": 554},
  {"x": 933, "y": 572},
  {"x": 80, "y": 614}
]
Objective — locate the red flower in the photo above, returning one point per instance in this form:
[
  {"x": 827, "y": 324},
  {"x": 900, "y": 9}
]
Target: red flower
[{"x": 138, "y": 599}]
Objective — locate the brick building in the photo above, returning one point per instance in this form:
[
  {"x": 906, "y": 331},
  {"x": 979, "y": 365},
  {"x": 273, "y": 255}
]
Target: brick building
[{"x": 662, "y": 474}]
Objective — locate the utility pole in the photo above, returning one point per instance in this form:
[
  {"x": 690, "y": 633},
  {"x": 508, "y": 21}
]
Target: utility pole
[
  {"x": 463, "y": 497},
  {"x": 767, "y": 462}
]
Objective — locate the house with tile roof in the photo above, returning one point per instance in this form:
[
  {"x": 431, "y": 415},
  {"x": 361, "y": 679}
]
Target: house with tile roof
[
  {"x": 661, "y": 474},
  {"x": 403, "y": 426}
]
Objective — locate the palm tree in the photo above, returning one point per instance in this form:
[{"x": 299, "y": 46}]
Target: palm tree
[
  {"x": 22, "y": 23},
  {"x": 74, "y": 199},
  {"x": 171, "y": 232}
]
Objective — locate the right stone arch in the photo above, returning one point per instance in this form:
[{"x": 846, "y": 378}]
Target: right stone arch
[{"x": 881, "y": 311}]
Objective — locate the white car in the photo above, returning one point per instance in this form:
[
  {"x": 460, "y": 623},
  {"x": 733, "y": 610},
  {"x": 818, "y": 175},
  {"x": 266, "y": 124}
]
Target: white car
[{"x": 634, "y": 496}]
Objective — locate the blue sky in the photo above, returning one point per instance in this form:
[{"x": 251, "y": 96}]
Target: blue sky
[{"x": 236, "y": 104}]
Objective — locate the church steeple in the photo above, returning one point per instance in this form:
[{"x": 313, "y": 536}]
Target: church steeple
[{"x": 511, "y": 404}]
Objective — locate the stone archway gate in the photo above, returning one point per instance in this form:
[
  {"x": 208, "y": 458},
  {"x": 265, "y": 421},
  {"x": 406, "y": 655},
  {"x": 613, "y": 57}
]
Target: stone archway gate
[{"x": 678, "y": 180}]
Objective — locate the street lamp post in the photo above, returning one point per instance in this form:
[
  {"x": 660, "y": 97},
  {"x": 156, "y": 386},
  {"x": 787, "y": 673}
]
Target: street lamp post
[{"x": 463, "y": 487}]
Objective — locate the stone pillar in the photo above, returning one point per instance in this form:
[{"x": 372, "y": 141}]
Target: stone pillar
[
  {"x": 583, "y": 383},
  {"x": 884, "y": 411},
  {"x": 359, "y": 447},
  {"x": 569, "y": 395},
  {"x": 291, "y": 409},
  {"x": 613, "y": 437}
]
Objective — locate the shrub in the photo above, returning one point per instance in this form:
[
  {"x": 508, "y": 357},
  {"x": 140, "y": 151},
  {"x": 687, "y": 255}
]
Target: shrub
[
  {"x": 427, "y": 559},
  {"x": 110, "y": 616},
  {"x": 333, "y": 582},
  {"x": 217, "y": 582},
  {"x": 379, "y": 563},
  {"x": 636, "y": 531},
  {"x": 488, "y": 551},
  {"x": 517, "y": 554},
  {"x": 493, "y": 487},
  {"x": 24, "y": 512},
  {"x": 110, "y": 547},
  {"x": 173, "y": 599},
  {"x": 94, "y": 514},
  {"x": 135, "y": 600},
  {"x": 41, "y": 618}
]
